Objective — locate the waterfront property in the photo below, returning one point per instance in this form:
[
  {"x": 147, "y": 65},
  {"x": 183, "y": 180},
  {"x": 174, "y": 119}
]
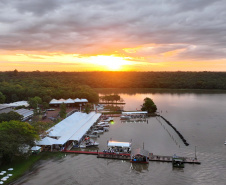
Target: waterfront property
[
  {"x": 139, "y": 155},
  {"x": 68, "y": 102},
  {"x": 69, "y": 131}
]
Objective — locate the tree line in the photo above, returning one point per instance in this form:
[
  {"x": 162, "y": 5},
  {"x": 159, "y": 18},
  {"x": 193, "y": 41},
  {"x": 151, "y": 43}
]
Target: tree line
[
  {"x": 16, "y": 86},
  {"x": 71, "y": 84}
]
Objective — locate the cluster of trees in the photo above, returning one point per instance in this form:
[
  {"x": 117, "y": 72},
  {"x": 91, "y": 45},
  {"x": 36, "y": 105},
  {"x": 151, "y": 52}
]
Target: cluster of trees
[
  {"x": 10, "y": 116},
  {"x": 63, "y": 112},
  {"x": 15, "y": 136},
  {"x": 111, "y": 98},
  {"x": 149, "y": 105},
  {"x": 16, "y": 86}
]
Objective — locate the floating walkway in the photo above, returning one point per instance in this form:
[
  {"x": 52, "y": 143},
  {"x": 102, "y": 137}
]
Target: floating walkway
[
  {"x": 135, "y": 121},
  {"x": 121, "y": 156},
  {"x": 160, "y": 158}
]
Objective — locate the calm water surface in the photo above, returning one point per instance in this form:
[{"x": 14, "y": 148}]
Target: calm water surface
[{"x": 200, "y": 117}]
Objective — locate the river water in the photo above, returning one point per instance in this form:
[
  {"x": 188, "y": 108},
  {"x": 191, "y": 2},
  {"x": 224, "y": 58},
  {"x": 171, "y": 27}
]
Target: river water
[{"x": 200, "y": 118}]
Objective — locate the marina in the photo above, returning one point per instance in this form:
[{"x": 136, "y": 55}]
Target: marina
[
  {"x": 159, "y": 141},
  {"x": 124, "y": 156}
]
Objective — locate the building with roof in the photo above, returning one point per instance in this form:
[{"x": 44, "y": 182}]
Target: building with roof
[
  {"x": 5, "y": 108},
  {"x": 68, "y": 102},
  {"x": 70, "y": 131},
  {"x": 25, "y": 113}
]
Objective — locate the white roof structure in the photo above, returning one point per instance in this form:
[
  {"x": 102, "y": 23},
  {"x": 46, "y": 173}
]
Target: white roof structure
[
  {"x": 60, "y": 101},
  {"x": 54, "y": 101},
  {"x": 46, "y": 141},
  {"x": 119, "y": 144},
  {"x": 17, "y": 104},
  {"x": 77, "y": 100},
  {"x": 73, "y": 127},
  {"x": 25, "y": 113},
  {"x": 135, "y": 112},
  {"x": 69, "y": 101}
]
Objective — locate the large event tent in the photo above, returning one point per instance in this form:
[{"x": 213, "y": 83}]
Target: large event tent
[
  {"x": 68, "y": 101},
  {"x": 73, "y": 128}
]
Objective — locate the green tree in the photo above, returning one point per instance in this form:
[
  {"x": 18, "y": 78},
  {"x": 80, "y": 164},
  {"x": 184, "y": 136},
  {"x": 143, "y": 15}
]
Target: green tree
[
  {"x": 10, "y": 116},
  {"x": 2, "y": 98},
  {"x": 88, "y": 108},
  {"x": 41, "y": 127},
  {"x": 63, "y": 110},
  {"x": 149, "y": 105},
  {"x": 34, "y": 102},
  {"x": 14, "y": 136}
]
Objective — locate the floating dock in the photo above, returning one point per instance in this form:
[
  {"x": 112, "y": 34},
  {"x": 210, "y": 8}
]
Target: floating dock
[
  {"x": 160, "y": 158},
  {"x": 123, "y": 156},
  {"x": 134, "y": 121}
]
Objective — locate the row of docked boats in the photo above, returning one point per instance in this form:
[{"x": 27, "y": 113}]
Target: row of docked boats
[{"x": 94, "y": 132}]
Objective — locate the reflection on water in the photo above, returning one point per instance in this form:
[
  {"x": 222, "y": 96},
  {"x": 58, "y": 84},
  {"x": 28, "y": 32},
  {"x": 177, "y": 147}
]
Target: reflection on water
[
  {"x": 139, "y": 167},
  {"x": 200, "y": 117}
]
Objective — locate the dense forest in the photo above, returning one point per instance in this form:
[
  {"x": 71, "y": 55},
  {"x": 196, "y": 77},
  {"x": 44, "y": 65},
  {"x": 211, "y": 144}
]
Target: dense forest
[
  {"x": 16, "y": 86},
  {"x": 21, "y": 85}
]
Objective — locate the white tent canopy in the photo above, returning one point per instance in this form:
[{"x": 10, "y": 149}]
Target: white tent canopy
[
  {"x": 17, "y": 104},
  {"x": 119, "y": 144},
  {"x": 135, "y": 112},
  {"x": 60, "y": 101},
  {"x": 72, "y": 128},
  {"x": 47, "y": 141}
]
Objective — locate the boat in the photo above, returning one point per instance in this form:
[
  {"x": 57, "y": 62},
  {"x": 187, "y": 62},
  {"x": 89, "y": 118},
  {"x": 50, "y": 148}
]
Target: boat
[
  {"x": 125, "y": 117},
  {"x": 98, "y": 131},
  {"x": 100, "y": 127},
  {"x": 225, "y": 142},
  {"x": 88, "y": 142},
  {"x": 105, "y": 124},
  {"x": 139, "y": 156},
  {"x": 93, "y": 135},
  {"x": 82, "y": 145},
  {"x": 91, "y": 144},
  {"x": 119, "y": 147},
  {"x": 177, "y": 162}
]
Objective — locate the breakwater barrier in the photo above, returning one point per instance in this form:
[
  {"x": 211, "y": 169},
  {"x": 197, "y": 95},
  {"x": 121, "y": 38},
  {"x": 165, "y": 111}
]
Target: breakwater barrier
[{"x": 174, "y": 128}]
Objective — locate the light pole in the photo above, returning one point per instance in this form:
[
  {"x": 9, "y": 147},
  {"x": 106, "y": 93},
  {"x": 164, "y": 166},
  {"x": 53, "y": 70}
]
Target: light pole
[{"x": 195, "y": 154}]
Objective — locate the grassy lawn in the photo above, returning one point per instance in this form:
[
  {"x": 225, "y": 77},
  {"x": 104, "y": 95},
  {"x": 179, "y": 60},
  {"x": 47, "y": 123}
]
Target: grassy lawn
[{"x": 21, "y": 165}]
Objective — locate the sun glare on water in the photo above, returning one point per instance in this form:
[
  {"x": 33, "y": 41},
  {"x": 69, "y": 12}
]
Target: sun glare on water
[{"x": 112, "y": 63}]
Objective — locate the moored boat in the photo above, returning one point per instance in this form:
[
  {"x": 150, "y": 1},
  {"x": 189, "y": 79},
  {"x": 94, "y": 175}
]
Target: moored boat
[
  {"x": 139, "y": 156},
  {"x": 125, "y": 117},
  {"x": 177, "y": 162}
]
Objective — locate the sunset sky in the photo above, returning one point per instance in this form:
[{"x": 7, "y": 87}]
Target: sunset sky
[{"x": 100, "y": 35}]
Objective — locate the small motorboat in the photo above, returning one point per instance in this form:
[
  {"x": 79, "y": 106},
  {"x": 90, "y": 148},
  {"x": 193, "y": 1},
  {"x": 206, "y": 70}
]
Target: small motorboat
[
  {"x": 100, "y": 127},
  {"x": 125, "y": 117},
  {"x": 225, "y": 142},
  {"x": 90, "y": 143},
  {"x": 98, "y": 131}
]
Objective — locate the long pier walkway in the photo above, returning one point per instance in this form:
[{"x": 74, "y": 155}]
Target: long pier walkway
[{"x": 123, "y": 156}]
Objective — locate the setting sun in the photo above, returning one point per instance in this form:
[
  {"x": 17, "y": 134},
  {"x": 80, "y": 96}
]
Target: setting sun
[{"x": 112, "y": 62}]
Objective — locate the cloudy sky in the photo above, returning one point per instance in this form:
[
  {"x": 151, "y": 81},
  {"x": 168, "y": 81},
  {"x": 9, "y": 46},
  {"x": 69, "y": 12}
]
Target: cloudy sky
[{"x": 88, "y": 35}]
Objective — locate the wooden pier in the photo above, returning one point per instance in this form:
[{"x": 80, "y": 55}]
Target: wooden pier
[
  {"x": 126, "y": 156},
  {"x": 113, "y": 156},
  {"x": 160, "y": 158}
]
